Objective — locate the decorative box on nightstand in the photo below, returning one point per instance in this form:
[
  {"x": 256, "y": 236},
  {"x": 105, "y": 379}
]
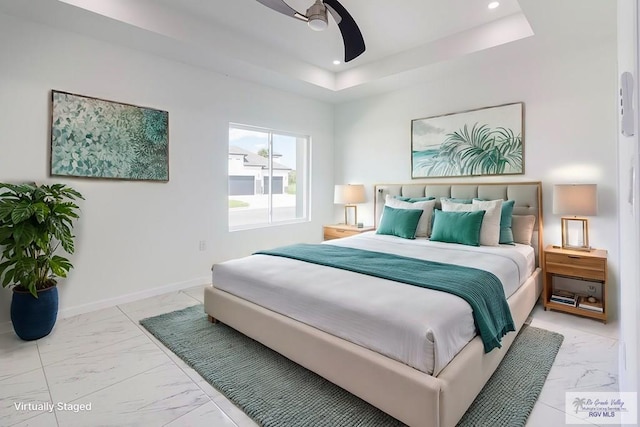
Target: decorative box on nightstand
[
  {"x": 588, "y": 267},
  {"x": 339, "y": 231}
]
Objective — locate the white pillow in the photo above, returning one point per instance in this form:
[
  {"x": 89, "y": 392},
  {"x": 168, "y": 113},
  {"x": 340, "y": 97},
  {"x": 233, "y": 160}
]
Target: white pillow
[
  {"x": 490, "y": 230},
  {"x": 424, "y": 225},
  {"x": 522, "y": 226}
]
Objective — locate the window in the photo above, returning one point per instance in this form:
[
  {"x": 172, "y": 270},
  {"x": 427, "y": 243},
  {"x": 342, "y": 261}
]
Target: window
[{"x": 268, "y": 177}]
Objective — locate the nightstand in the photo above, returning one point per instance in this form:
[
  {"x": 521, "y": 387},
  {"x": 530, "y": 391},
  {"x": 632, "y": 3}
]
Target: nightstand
[
  {"x": 339, "y": 231},
  {"x": 589, "y": 267}
]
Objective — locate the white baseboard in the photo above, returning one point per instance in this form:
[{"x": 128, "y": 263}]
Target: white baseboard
[
  {"x": 135, "y": 296},
  {"x": 123, "y": 299}
]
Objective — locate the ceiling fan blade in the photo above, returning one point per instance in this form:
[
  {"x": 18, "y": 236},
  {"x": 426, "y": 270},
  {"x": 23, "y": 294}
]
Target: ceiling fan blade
[
  {"x": 282, "y": 7},
  {"x": 351, "y": 35}
]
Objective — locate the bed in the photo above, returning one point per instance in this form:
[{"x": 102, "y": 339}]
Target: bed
[{"x": 417, "y": 389}]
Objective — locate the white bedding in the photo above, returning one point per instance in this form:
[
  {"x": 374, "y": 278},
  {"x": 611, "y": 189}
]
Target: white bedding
[{"x": 420, "y": 327}]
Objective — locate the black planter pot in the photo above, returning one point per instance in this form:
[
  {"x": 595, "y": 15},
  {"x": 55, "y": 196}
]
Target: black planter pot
[{"x": 33, "y": 318}]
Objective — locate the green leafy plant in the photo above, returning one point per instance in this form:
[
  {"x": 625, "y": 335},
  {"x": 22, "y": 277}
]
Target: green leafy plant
[{"x": 35, "y": 221}]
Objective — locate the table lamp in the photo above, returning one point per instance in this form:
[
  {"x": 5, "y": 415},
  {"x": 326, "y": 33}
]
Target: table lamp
[{"x": 348, "y": 195}]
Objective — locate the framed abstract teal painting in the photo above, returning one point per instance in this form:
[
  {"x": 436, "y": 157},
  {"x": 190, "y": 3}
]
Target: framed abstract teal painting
[
  {"x": 485, "y": 141},
  {"x": 96, "y": 138}
]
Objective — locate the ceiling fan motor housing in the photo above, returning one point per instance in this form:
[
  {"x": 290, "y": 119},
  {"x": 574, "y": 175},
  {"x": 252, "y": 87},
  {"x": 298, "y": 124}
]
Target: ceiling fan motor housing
[
  {"x": 316, "y": 18},
  {"x": 317, "y": 15}
]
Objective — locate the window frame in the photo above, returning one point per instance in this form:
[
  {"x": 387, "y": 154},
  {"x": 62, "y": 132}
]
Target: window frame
[{"x": 303, "y": 184}]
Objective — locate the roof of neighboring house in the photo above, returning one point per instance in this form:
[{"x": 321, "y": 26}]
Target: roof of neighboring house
[{"x": 253, "y": 159}]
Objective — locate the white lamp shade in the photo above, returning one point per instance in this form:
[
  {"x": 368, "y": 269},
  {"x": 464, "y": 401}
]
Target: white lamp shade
[
  {"x": 575, "y": 199},
  {"x": 349, "y": 194}
]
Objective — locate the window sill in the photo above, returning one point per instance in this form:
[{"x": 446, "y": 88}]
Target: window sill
[{"x": 267, "y": 225}]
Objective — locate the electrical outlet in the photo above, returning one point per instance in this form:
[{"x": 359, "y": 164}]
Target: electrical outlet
[{"x": 202, "y": 245}]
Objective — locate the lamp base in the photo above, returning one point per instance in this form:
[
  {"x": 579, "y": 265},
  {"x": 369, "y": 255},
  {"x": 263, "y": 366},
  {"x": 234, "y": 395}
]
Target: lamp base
[
  {"x": 578, "y": 248},
  {"x": 575, "y": 230},
  {"x": 346, "y": 215}
]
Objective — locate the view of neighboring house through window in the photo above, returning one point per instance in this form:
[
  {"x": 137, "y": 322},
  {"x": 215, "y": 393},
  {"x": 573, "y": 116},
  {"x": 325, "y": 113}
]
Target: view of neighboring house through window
[{"x": 268, "y": 177}]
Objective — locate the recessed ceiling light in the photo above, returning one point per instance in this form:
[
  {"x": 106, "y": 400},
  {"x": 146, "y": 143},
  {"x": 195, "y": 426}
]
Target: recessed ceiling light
[
  {"x": 493, "y": 5},
  {"x": 336, "y": 62}
]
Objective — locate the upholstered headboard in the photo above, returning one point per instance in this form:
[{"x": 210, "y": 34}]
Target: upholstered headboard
[{"x": 527, "y": 196}]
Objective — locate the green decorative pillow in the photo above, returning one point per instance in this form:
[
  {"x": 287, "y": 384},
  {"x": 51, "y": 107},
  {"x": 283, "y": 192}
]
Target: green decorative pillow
[
  {"x": 506, "y": 219},
  {"x": 399, "y": 222},
  {"x": 413, "y": 199},
  {"x": 424, "y": 225},
  {"x": 457, "y": 227}
]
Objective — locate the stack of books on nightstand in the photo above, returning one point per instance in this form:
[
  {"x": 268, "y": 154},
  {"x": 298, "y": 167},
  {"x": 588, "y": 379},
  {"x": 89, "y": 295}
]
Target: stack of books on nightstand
[
  {"x": 583, "y": 302},
  {"x": 564, "y": 297}
]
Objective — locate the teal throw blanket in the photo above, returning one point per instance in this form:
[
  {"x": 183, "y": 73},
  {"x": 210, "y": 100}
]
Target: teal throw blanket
[{"x": 481, "y": 289}]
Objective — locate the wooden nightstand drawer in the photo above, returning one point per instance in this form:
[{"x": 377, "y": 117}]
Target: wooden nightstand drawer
[
  {"x": 334, "y": 233},
  {"x": 576, "y": 265},
  {"x": 340, "y": 231}
]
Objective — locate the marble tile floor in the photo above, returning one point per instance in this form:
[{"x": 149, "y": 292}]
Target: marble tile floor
[{"x": 106, "y": 359}]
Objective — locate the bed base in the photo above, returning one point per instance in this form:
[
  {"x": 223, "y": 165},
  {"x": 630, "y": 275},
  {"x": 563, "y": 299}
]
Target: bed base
[{"x": 413, "y": 397}]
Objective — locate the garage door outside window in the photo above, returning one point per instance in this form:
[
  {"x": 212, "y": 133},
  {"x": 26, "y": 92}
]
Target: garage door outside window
[
  {"x": 242, "y": 185},
  {"x": 278, "y": 184}
]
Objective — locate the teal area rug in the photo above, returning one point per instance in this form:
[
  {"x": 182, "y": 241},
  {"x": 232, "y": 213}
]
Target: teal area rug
[{"x": 276, "y": 392}]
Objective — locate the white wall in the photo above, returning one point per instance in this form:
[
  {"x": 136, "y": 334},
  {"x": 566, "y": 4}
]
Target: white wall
[
  {"x": 628, "y": 53},
  {"x": 140, "y": 237},
  {"x": 570, "y": 126}
]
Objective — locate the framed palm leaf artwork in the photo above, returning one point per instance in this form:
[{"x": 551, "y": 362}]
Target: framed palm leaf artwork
[
  {"x": 485, "y": 141},
  {"x": 96, "y": 138}
]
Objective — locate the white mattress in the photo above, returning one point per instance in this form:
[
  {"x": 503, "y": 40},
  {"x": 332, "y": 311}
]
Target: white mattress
[{"x": 420, "y": 327}]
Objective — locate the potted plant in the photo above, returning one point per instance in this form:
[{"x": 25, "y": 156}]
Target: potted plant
[{"x": 36, "y": 221}]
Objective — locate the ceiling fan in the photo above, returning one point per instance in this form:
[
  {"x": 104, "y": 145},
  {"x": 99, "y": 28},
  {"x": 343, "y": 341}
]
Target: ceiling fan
[{"x": 316, "y": 17}]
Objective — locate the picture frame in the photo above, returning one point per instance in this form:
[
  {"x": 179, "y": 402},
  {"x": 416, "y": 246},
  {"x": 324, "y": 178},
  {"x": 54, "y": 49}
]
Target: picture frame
[
  {"x": 98, "y": 138},
  {"x": 479, "y": 142}
]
